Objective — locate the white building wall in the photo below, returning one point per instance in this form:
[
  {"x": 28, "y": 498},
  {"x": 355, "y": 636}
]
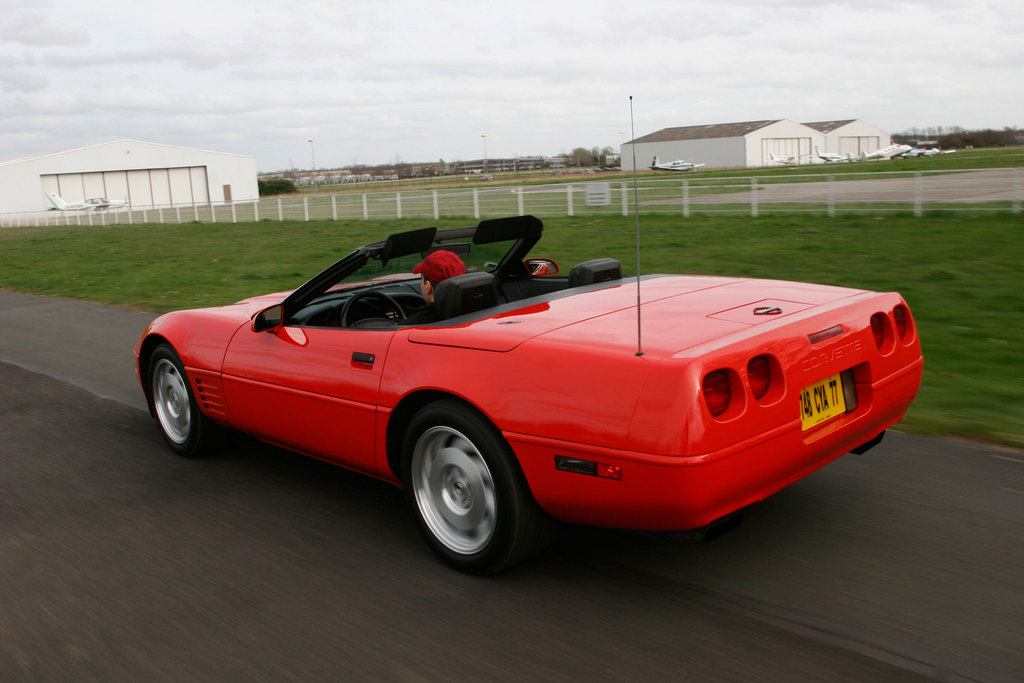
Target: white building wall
[
  {"x": 147, "y": 173},
  {"x": 715, "y": 152},
  {"x": 781, "y": 138},
  {"x": 856, "y": 137}
]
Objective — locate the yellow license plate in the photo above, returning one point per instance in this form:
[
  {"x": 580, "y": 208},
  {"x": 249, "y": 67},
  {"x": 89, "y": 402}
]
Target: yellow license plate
[{"x": 822, "y": 401}]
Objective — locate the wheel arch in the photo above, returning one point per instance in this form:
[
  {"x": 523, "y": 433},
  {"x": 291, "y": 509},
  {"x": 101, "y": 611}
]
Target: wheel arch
[
  {"x": 145, "y": 352},
  {"x": 403, "y": 413}
]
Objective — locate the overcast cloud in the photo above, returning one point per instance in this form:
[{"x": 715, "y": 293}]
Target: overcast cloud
[{"x": 404, "y": 80}]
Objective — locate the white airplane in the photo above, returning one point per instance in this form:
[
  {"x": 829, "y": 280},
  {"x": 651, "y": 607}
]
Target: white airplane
[
  {"x": 831, "y": 157},
  {"x": 923, "y": 152},
  {"x": 91, "y": 204},
  {"x": 884, "y": 153},
  {"x": 678, "y": 165},
  {"x": 789, "y": 160}
]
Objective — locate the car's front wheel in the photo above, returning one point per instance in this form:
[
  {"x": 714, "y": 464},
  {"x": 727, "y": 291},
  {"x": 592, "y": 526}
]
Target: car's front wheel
[
  {"x": 471, "y": 499},
  {"x": 187, "y": 431}
]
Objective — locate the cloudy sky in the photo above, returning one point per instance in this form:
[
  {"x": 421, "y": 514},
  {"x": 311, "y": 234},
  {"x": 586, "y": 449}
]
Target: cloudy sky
[{"x": 404, "y": 80}]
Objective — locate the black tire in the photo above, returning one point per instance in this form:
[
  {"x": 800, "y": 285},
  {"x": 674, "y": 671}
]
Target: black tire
[
  {"x": 186, "y": 430},
  {"x": 468, "y": 493}
]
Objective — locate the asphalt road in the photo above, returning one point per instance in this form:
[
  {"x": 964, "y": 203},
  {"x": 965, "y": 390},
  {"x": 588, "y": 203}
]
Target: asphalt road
[{"x": 121, "y": 562}]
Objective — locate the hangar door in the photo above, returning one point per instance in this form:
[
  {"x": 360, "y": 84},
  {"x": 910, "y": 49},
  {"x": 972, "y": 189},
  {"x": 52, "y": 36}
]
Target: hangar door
[
  {"x": 855, "y": 146},
  {"x": 155, "y": 187},
  {"x": 799, "y": 148}
]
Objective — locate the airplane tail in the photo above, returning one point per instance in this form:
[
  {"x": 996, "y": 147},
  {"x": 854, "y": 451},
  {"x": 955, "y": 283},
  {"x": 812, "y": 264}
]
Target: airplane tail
[{"x": 58, "y": 203}]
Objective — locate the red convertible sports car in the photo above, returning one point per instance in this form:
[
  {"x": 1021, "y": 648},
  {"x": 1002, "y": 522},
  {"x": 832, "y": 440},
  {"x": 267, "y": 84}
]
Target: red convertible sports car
[{"x": 661, "y": 402}]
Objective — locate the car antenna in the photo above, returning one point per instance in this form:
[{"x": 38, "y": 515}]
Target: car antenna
[{"x": 636, "y": 213}]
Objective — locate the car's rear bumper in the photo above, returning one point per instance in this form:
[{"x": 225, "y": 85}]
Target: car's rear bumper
[{"x": 679, "y": 492}]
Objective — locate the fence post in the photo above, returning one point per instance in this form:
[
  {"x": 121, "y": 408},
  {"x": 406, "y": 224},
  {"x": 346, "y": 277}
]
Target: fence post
[
  {"x": 280, "y": 210},
  {"x": 686, "y": 198},
  {"x": 437, "y": 208},
  {"x": 476, "y": 203},
  {"x": 568, "y": 194},
  {"x": 195, "y": 211},
  {"x": 334, "y": 206},
  {"x": 398, "y": 204},
  {"x": 366, "y": 208},
  {"x": 519, "y": 200},
  {"x": 753, "y": 197},
  {"x": 305, "y": 207},
  {"x": 1018, "y": 190},
  {"x": 918, "y": 191},
  {"x": 625, "y": 199},
  {"x": 831, "y": 196}
]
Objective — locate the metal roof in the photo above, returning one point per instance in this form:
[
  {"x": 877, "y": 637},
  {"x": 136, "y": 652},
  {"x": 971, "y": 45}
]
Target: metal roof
[
  {"x": 715, "y": 130},
  {"x": 828, "y": 126}
]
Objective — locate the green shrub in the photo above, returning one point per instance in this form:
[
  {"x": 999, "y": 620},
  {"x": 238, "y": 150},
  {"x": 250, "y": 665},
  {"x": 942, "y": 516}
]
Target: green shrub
[{"x": 276, "y": 186}]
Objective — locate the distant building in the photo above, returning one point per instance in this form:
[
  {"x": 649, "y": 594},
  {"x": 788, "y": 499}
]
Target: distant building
[
  {"x": 148, "y": 175},
  {"x": 752, "y": 144}
]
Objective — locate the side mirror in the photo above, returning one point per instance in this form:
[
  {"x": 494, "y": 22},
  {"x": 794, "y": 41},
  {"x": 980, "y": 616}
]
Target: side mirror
[
  {"x": 269, "y": 319},
  {"x": 540, "y": 266}
]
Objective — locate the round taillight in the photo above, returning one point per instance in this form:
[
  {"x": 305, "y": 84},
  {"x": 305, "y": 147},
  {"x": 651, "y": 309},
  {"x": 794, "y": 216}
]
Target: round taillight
[
  {"x": 717, "y": 392},
  {"x": 902, "y": 320},
  {"x": 759, "y": 374}
]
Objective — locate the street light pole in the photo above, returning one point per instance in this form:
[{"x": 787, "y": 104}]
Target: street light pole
[{"x": 312, "y": 152}]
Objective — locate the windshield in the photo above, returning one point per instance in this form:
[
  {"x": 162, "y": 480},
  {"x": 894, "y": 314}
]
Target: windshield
[{"x": 477, "y": 257}]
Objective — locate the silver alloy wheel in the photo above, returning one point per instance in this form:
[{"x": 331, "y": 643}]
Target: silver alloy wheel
[
  {"x": 454, "y": 490},
  {"x": 171, "y": 401}
]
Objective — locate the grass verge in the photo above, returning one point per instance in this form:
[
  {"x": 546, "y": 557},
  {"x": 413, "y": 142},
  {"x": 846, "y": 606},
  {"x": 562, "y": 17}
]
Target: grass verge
[{"x": 960, "y": 274}]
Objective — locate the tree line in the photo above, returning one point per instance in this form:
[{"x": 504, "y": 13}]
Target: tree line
[{"x": 956, "y": 137}]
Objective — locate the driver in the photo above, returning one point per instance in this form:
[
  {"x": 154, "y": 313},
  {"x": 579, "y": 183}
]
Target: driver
[{"x": 433, "y": 270}]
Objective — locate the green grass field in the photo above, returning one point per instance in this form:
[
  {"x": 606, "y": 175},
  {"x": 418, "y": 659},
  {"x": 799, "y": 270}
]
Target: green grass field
[{"x": 960, "y": 274}]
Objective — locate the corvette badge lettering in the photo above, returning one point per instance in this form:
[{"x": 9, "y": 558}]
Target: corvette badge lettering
[{"x": 837, "y": 352}]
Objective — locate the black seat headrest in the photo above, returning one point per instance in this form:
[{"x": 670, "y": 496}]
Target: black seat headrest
[
  {"x": 598, "y": 270},
  {"x": 465, "y": 293}
]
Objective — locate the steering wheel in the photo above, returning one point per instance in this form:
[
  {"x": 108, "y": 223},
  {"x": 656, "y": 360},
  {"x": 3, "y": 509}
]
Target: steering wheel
[{"x": 390, "y": 305}]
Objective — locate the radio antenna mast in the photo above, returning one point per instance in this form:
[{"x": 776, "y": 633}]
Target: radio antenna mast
[{"x": 636, "y": 214}]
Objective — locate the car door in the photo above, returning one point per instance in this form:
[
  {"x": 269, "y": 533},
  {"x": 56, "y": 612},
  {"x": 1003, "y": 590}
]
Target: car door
[{"x": 310, "y": 389}]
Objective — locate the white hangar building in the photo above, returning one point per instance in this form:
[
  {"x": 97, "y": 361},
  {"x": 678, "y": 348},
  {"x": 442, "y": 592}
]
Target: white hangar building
[
  {"x": 752, "y": 143},
  {"x": 851, "y": 137},
  {"x": 148, "y": 175}
]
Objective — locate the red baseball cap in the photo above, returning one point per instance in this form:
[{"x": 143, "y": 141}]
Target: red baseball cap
[{"x": 440, "y": 265}]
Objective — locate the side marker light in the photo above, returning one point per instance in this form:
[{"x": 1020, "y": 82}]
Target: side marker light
[{"x": 588, "y": 467}]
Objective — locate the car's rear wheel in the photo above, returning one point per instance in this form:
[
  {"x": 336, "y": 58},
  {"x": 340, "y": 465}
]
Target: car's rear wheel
[
  {"x": 187, "y": 431},
  {"x": 471, "y": 499}
]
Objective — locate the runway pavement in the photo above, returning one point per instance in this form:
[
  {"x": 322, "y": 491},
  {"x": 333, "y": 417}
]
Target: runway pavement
[{"x": 121, "y": 562}]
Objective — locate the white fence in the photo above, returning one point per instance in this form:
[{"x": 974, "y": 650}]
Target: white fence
[{"x": 993, "y": 190}]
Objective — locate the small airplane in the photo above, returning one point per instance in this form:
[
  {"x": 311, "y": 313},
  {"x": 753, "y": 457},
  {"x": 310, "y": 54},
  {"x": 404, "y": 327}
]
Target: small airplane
[
  {"x": 678, "y": 165},
  {"x": 926, "y": 152},
  {"x": 789, "y": 160},
  {"x": 884, "y": 153},
  {"x": 91, "y": 204},
  {"x": 831, "y": 157}
]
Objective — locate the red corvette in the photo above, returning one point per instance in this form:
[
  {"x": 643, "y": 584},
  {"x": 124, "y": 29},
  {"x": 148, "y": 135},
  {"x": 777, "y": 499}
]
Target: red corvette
[{"x": 665, "y": 402}]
